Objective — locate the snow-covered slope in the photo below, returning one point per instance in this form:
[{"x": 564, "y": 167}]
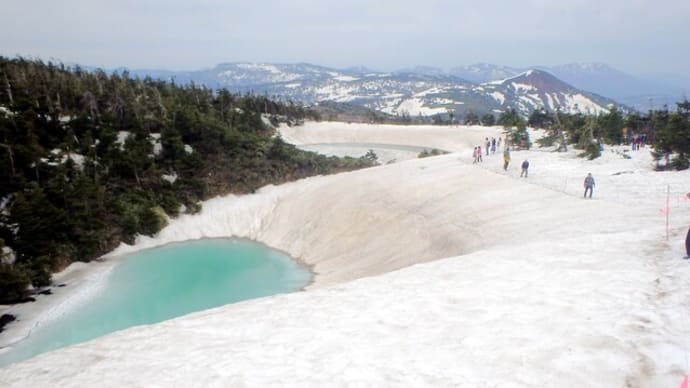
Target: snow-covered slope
[{"x": 524, "y": 283}]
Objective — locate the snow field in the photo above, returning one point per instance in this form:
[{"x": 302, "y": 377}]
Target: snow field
[{"x": 430, "y": 272}]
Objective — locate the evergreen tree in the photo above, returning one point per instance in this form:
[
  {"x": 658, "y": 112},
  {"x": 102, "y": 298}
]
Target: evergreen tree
[
  {"x": 540, "y": 118},
  {"x": 588, "y": 141},
  {"x": 488, "y": 120},
  {"x": 612, "y": 124},
  {"x": 672, "y": 136},
  {"x": 515, "y": 129},
  {"x": 471, "y": 118}
]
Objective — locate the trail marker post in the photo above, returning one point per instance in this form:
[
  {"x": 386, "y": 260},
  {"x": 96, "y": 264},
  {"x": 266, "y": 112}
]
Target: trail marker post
[{"x": 668, "y": 208}]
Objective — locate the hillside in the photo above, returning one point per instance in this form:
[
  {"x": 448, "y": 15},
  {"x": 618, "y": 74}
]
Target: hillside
[{"x": 89, "y": 160}]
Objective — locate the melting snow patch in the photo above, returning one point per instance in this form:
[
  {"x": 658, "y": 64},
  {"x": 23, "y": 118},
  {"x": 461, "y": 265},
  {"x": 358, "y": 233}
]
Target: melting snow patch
[
  {"x": 4, "y": 202},
  {"x": 6, "y": 111},
  {"x": 122, "y": 138},
  {"x": 7, "y": 256},
  {"x": 156, "y": 141},
  {"x": 170, "y": 177},
  {"x": 60, "y": 157}
]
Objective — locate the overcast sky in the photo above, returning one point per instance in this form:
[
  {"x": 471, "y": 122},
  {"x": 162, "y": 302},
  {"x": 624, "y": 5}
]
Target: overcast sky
[{"x": 636, "y": 36}]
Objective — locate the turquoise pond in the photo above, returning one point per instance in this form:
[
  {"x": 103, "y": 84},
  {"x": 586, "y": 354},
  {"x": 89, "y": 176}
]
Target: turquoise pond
[{"x": 166, "y": 282}]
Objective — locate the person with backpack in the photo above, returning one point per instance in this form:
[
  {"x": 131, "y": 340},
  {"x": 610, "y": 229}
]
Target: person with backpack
[
  {"x": 589, "y": 185},
  {"x": 525, "y": 166}
]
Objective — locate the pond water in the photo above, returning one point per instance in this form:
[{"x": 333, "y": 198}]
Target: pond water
[{"x": 166, "y": 282}]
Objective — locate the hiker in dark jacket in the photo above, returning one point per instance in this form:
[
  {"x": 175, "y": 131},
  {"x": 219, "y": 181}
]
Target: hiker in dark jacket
[
  {"x": 687, "y": 245},
  {"x": 525, "y": 166},
  {"x": 589, "y": 184}
]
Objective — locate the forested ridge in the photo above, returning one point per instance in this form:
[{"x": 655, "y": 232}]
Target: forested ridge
[{"x": 90, "y": 159}]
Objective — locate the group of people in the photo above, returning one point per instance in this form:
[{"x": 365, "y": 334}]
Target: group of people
[
  {"x": 524, "y": 167},
  {"x": 477, "y": 154},
  {"x": 490, "y": 145},
  {"x": 637, "y": 141}
]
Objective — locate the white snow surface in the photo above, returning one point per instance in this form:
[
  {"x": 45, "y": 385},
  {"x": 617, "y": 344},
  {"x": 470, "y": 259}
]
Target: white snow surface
[{"x": 428, "y": 272}]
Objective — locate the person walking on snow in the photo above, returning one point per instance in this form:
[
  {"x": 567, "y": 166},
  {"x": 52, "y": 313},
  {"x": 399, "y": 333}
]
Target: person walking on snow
[
  {"x": 506, "y": 159},
  {"x": 525, "y": 166},
  {"x": 589, "y": 185},
  {"x": 687, "y": 245}
]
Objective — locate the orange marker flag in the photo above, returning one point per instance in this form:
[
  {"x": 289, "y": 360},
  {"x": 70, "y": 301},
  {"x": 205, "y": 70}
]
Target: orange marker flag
[{"x": 684, "y": 384}]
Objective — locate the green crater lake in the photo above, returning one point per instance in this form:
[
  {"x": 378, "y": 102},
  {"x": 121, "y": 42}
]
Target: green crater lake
[{"x": 161, "y": 283}]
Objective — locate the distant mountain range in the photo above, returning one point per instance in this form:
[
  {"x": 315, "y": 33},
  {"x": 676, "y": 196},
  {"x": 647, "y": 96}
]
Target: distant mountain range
[
  {"x": 639, "y": 92},
  {"x": 426, "y": 91}
]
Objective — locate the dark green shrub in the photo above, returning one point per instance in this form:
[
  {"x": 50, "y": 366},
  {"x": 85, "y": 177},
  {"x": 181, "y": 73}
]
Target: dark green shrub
[{"x": 14, "y": 284}]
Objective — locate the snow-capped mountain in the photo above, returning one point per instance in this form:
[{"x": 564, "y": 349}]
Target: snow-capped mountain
[
  {"x": 416, "y": 91},
  {"x": 536, "y": 89},
  {"x": 640, "y": 92}
]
